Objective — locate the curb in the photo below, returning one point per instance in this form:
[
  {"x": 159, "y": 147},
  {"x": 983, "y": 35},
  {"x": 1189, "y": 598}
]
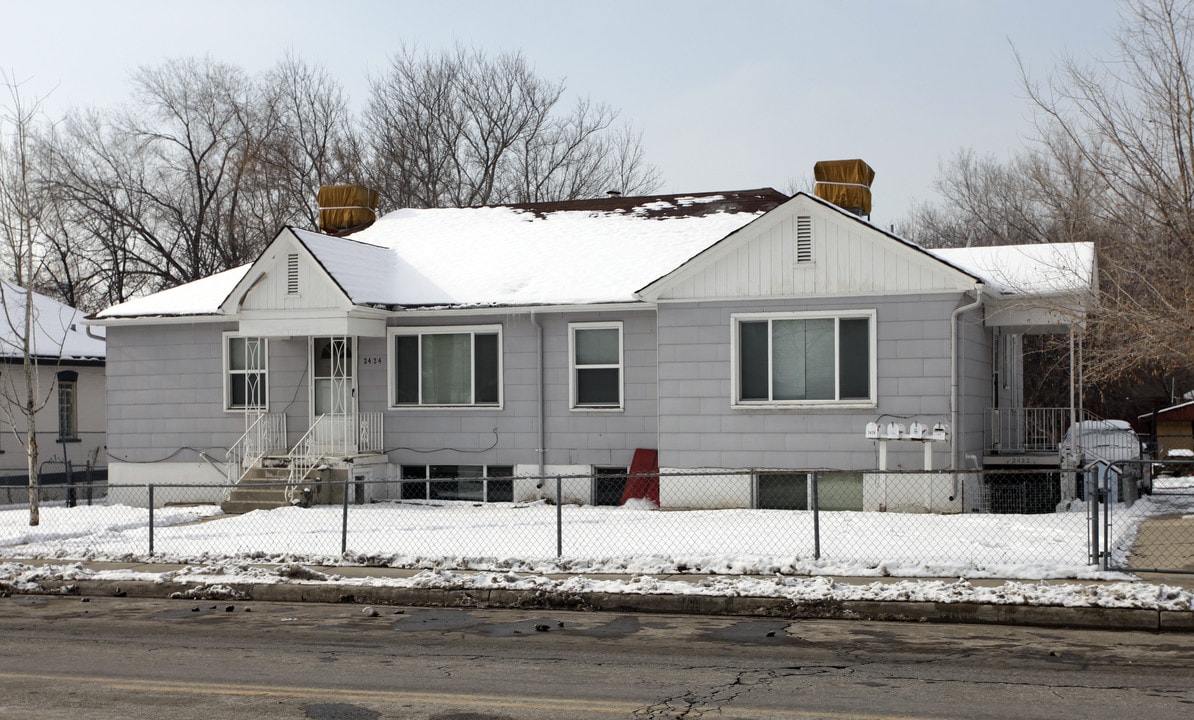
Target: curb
[{"x": 893, "y": 611}]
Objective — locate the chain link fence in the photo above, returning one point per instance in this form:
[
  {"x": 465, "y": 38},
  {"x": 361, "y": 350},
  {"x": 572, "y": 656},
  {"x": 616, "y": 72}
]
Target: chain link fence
[
  {"x": 57, "y": 481},
  {"x": 1155, "y": 531},
  {"x": 822, "y": 522}
]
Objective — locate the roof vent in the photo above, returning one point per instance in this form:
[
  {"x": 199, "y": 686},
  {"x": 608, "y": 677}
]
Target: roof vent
[
  {"x": 845, "y": 183},
  {"x": 613, "y": 193},
  {"x": 344, "y": 209}
]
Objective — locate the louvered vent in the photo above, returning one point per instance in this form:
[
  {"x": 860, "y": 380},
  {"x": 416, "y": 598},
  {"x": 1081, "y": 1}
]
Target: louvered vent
[
  {"x": 804, "y": 239},
  {"x": 292, "y": 284}
]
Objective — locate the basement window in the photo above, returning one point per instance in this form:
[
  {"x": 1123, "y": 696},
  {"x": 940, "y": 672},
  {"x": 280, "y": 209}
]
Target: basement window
[{"x": 476, "y": 483}]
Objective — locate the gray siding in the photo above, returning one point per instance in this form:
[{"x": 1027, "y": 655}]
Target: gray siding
[
  {"x": 698, "y": 428},
  {"x": 165, "y": 393},
  {"x": 975, "y": 389},
  {"x": 465, "y": 436}
]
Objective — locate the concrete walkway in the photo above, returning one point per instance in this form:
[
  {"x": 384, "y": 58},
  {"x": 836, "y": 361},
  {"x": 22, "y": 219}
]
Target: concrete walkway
[{"x": 243, "y": 589}]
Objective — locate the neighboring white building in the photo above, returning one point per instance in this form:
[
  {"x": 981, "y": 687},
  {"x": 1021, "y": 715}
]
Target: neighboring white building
[{"x": 71, "y": 384}]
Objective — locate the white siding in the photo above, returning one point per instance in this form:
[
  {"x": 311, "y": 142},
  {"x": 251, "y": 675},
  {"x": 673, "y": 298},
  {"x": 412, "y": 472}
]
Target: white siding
[
  {"x": 849, "y": 258},
  {"x": 272, "y": 291}
]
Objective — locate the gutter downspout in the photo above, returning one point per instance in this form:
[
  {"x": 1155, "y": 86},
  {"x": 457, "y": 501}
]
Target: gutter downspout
[
  {"x": 542, "y": 449},
  {"x": 954, "y": 322}
]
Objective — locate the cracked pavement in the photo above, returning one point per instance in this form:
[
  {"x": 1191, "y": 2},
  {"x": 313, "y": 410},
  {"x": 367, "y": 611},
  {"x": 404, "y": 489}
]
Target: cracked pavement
[{"x": 162, "y": 659}]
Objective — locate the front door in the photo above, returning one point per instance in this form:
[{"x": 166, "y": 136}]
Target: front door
[{"x": 333, "y": 389}]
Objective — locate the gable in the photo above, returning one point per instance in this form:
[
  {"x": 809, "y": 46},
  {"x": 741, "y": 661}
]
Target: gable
[
  {"x": 286, "y": 276},
  {"x": 806, "y": 248}
]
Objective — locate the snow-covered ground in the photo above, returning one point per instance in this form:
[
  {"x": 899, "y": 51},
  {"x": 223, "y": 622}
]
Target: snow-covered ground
[{"x": 746, "y": 552}]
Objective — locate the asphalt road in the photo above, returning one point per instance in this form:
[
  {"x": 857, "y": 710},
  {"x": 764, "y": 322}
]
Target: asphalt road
[{"x": 167, "y": 659}]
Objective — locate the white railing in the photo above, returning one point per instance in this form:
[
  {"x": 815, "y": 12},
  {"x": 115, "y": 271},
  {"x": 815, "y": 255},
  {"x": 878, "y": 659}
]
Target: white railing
[
  {"x": 264, "y": 431},
  {"x": 1027, "y": 430},
  {"x": 332, "y": 437}
]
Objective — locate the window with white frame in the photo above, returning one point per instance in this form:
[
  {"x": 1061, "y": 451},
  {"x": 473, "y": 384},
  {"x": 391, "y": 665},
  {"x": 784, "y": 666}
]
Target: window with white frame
[
  {"x": 245, "y": 376},
  {"x": 595, "y": 356},
  {"x": 804, "y": 358},
  {"x": 446, "y": 366}
]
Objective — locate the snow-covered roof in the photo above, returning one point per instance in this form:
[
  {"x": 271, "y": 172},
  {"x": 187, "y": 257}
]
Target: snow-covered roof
[
  {"x": 201, "y": 297},
  {"x": 58, "y": 331},
  {"x": 539, "y": 255},
  {"x": 582, "y": 252},
  {"x": 366, "y": 273},
  {"x": 1039, "y": 269},
  {"x": 564, "y": 253}
]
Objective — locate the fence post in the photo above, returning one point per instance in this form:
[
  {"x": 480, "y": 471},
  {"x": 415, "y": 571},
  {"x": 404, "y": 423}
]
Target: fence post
[
  {"x": 70, "y": 481},
  {"x": 151, "y": 520},
  {"x": 1105, "y": 548},
  {"x": 559, "y": 518},
  {"x": 1092, "y": 503},
  {"x": 344, "y": 520},
  {"x": 815, "y": 479}
]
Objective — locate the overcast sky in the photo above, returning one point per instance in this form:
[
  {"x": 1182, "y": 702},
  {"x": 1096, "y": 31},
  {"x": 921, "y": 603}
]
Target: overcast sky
[{"x": 728, "y": 95}]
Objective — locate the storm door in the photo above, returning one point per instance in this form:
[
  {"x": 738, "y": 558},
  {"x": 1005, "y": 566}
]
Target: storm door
[{"x": 333, "y": 388}]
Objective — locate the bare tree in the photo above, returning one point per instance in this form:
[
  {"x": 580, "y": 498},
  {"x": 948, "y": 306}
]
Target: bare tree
[
  {"x": 21, "y": 212},
  {"x": 459, "y": 128},
  {"x": 309, "y": 140},
  {"x": 1130, "y": 120},
  {"x": 170, "y": 174},
  {"x": 1045, "y": 193}
]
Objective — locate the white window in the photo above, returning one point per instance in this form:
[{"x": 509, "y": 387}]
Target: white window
[
  {"x": 595, "y": 356},
  {"x": 804, "y": 358},
  {"x": 245, "y": 373},
  {"x": 446, "y": 366}
]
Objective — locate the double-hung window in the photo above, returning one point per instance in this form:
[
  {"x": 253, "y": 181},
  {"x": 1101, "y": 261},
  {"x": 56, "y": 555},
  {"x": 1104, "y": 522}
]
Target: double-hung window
[
  {"x": 595, "y": 350},
  {"x": 446, "y": 366},
  {"x": 245, "y": 373},
  {"x": 804, "y": 358}
]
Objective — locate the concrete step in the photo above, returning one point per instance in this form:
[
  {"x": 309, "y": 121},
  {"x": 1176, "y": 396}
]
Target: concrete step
[
  {"x": 262, "y": 495},
  {"x": 266, "y": 473},
  {"x": 239, "y": 507}
]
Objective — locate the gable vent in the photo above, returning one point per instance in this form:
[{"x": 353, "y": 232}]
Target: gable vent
[
  {"x": 804, "y": 239},
  {"x": 292, "y": 284}
]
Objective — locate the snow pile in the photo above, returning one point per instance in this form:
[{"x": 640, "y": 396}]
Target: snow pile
[
  {"x": 218, "y": 580},
  {"x": 461, "y": 545}
]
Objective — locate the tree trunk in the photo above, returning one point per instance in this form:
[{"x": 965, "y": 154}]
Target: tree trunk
[{"x": 31, "y": 458}]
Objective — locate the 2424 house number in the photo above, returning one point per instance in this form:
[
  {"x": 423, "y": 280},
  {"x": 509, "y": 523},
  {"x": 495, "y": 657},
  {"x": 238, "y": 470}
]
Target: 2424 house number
[{"x": 371, "y": 361}]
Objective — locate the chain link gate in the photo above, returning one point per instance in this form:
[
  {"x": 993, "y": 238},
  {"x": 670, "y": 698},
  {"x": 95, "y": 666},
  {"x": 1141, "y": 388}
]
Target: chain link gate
[{"x": 1149, "y": 505}]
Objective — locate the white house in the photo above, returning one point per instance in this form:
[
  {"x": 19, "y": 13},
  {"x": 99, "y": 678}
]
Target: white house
[
  {"x": 69, "y": 387},
  {"x": 732, "y": 331}
]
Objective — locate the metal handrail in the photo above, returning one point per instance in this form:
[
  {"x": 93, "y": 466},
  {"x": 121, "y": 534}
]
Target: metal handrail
[
  {"x": 266, "y": 431},
  {"x": 1030, "y": 429},
  {"x": 333, "y": 435}
]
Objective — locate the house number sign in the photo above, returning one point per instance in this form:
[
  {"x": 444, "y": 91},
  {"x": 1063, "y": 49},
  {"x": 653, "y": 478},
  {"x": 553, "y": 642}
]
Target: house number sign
[{"x": 371, "y": 361}]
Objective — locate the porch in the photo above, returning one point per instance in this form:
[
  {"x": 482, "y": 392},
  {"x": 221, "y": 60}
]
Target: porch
[
  {"x": 1030, "y": 431},
  {"x": 267, "y": 473}
]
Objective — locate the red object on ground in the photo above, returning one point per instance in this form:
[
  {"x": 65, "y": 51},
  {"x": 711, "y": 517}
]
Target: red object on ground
[{"x": 643, "y": 481}]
